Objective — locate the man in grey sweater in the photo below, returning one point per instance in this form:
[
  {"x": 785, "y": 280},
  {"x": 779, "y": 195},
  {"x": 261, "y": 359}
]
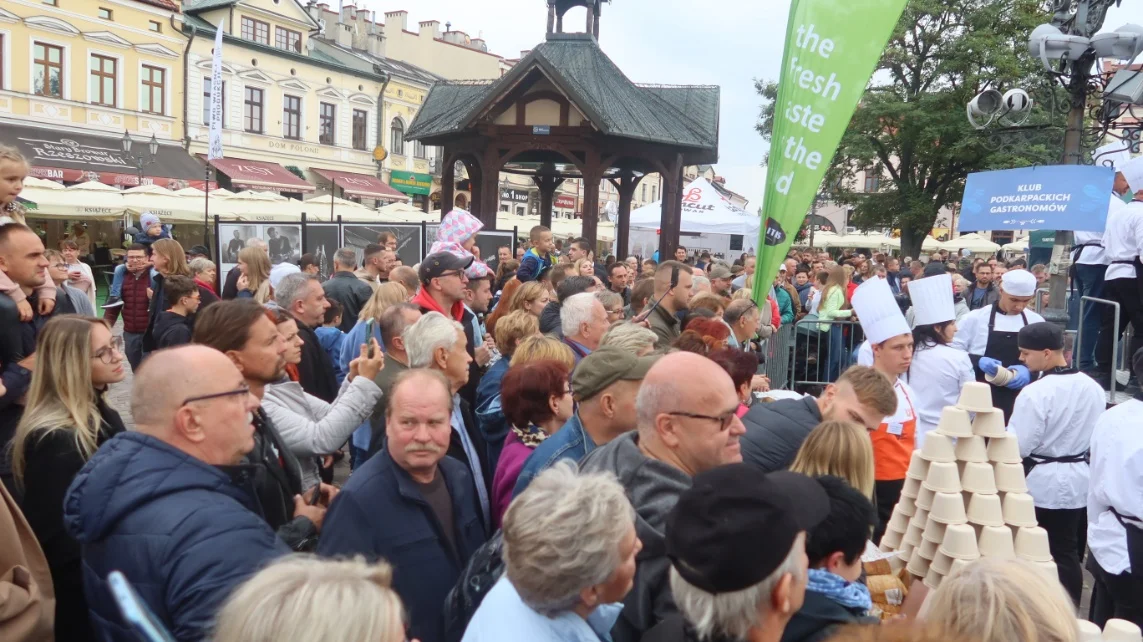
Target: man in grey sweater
[{"x": 686, "y": 425}]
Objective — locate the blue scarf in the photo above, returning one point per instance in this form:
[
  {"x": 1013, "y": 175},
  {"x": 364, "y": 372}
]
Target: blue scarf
[{"x": 853, "y": 595}]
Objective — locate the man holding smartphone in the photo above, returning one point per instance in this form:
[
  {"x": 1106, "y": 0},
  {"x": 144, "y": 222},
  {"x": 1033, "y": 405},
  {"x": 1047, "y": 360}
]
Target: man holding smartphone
[{"x": 669, "y": 301}]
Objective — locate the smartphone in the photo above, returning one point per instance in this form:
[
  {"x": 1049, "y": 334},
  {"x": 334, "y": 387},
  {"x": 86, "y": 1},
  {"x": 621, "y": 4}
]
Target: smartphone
[
  {"x": 369, "y": 338},
  {"x": 138, "y": 617},
  {"x": 315, "y": 496}
]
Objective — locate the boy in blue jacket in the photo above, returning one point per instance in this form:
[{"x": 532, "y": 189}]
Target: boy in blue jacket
[
  {"x": 331, "y": 337},
  {"x": 539, "y": 257}
]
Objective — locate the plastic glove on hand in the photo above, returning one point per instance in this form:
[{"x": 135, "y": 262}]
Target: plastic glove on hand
[
  {"x": 1022, "y": 378},
  {"x": 989, "y": 366}
]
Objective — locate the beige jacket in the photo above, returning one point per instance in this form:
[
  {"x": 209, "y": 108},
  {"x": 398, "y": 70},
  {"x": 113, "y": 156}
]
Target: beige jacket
[{"x": 27, "y": 601}]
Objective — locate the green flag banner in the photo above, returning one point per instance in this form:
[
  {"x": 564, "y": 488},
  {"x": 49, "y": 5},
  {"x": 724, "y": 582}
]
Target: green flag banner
[{"x": 832, "y": 48}]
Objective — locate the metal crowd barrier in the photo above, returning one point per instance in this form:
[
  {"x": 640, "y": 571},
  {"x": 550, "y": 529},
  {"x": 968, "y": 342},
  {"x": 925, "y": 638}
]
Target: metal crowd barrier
[
  {"x": 779, "y": 352},
  {"x": 1117, "y": 358},
  {"x": 810, "y": 361}
]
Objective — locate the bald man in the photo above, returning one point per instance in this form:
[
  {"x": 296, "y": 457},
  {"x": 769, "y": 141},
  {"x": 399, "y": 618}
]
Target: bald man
[
  {"x": 407, "y": 277},
  {"x": 166, "y": 503},
  {"x": 686, "y": 425}
]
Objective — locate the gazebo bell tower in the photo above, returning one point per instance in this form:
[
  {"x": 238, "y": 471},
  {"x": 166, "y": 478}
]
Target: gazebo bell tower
[{"x": 557, "y": 9}]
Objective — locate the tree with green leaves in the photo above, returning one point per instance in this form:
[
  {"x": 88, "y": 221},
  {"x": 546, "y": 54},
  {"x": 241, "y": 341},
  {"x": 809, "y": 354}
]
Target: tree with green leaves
[{"x": 910, "y": 126}]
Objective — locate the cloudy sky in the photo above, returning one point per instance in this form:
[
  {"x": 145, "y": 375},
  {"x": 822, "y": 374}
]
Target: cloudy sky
[{"x": 727, "y": 43}]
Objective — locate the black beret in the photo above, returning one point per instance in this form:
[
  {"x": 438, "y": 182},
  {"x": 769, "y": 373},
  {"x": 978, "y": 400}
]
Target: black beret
[{"x": 1041, "y": 336}]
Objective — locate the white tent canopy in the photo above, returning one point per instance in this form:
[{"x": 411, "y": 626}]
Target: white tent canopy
[
  {"x": 704, "y": 211},
  {"x": 971, "y": 242},
  {"x": 930, "y": 244},
  {"x": 1016, "y": 246}
]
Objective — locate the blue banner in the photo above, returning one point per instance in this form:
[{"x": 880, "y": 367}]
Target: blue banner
[{"x": 1054, "y": 197}]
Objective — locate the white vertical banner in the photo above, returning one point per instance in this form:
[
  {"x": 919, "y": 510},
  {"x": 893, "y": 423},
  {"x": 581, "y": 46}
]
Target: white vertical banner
[{"x": 216, "y": 91}]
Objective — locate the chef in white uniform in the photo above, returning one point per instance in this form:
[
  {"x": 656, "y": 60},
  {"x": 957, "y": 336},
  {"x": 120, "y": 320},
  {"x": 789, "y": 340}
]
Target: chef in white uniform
[
  {"x": 1053, "y": 419},
  {"x": 988, "y": 335},
  {"x": 1123, "y": 245},
  {"x": 939, "y": 370},
  {"x": 1115, "y": 505},
  {"x": 895, "y": 438}
]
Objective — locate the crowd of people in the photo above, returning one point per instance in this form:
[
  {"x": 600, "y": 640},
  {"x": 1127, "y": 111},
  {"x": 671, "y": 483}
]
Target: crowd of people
[{"x": 540, "y": 447}]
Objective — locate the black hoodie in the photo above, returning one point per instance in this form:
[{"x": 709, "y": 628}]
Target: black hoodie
[
  {"x": 172, "y": 330},
  {"x": 820, "y": 617},
  {"x": 775, "y": 431}
]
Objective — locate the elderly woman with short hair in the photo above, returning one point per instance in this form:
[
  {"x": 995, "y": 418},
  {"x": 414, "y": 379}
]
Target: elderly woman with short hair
[{"x": 569, "y": 557}]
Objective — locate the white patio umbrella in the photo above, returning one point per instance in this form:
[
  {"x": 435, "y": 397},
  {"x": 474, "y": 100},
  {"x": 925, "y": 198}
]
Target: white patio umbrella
[
  {"x": 319, "y": 210},
  {"x": 41, "y": 183},
  {"x": 90, "y": 201},
  {"x": 1016, "y": 246},
  {"x": 930, "y": 244},
  {"x": 172, "y": 207},
  {"x": 972, "y": 242}
]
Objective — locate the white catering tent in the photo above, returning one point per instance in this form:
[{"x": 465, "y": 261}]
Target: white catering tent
[
  {"x": 974, "y": 243},
  {"x": 708, "y": 222}
]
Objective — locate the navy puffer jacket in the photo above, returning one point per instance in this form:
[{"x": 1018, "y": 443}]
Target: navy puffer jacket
[{"x": 183, "y": 532}]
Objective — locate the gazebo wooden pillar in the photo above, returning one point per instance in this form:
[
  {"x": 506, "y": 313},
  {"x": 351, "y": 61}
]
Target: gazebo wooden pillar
[
  {"x": 547, "y": 184},
  {"x": 489, "y": 199},
  {"x": 448, "y": 182},
  {"x": 671, "y": 222}
]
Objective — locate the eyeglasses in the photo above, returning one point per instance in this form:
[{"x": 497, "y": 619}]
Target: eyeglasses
[
  {"x": 107, "y": 355},
  {"x": 451, "y": 273},
  {"x": 241, "y": 390},
  {"x": 724, "y": 419}
]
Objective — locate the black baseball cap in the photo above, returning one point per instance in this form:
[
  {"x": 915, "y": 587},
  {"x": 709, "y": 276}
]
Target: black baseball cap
[
  {"x": 736, "y": 524},
  {"x": 437, "y": 264},
  {"x": 199, "y": 250}
]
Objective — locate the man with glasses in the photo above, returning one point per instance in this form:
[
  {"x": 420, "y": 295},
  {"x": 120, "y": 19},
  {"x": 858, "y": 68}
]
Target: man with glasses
[
  {"x": 686, "y": 425},
  {"x": 242, "y": 331},
  {"x": 135, "y": 303},
  {"x": 443, "y": 289},
  {"x": 168, "y": 504}
]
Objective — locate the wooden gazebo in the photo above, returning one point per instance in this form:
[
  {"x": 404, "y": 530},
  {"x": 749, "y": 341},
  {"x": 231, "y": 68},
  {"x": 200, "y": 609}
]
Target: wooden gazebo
[{"x": 567, "y": 111}]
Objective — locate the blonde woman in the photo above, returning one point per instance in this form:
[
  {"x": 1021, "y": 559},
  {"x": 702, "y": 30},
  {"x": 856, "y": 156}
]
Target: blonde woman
[
  {"x": 304, "y": 598},
  {"x": 543, "y": 348},
  {"x": 632, "y": 337},
  {"x": 255, "y": 280},
  {"x": 532, "y": 297},
  {"x": 1001, "y": 600},
  {"x": 384, "y": 297},
  {"x": 832, "y": 307},
  {"x": 584, "y": 267},
  {"x": 65, "y": 420},
  {"x": 841, "y": 449}
]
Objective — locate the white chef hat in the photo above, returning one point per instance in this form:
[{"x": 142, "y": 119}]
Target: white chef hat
[
  {"x": 1132, "y": 171},
  {"x": 932, "y": 299},
  {"x": 877, "y": 310},
  {"x": 1017, "y": 282}
]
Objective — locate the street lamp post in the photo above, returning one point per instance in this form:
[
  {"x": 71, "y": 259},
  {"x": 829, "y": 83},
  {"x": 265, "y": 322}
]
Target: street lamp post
[{"x": 141, "y": 161}]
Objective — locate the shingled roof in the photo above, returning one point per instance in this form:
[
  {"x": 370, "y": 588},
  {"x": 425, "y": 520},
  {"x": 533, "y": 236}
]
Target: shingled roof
[{"x": 674, "y": 115}]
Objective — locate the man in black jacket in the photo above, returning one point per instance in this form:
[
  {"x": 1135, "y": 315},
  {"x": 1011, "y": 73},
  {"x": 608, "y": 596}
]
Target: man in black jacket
[
  {"x": 21, "y": 260},
  {"x": 241, "y": 330},
  {"x": 775, "y": 431},
  {"x": 302, "y": 296},
  {"x": 345, "y": 288}
]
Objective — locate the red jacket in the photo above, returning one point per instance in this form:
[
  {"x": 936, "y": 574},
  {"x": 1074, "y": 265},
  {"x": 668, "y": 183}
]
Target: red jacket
[
  {"x": 429, "y": 304},
  {"x": 136, "y": 306},
  {"x": 775, "y": 314}
]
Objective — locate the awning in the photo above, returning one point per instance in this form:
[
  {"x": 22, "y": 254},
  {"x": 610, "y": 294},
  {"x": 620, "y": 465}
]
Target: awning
[
  {"x": 71, "y": 157},
  {"x": 262, "y": 176},
  {"x": 361, "y": 185}
]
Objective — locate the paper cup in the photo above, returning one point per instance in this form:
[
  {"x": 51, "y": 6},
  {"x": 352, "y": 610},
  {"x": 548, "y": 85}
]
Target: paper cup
[
  {"x": 960, "y": 565},
  {"x": 1089, "y": 632},
  {"x": 891, "y": 541},
  {"x": 978, "y": 478},
  {"x": 971, "y": 449},
  {"x": 911, "y": 487},
  {"x": 1117, "y": 630},
  {"x": 938, "y": 447},
  {"x": 941, "y": 563},
  {"x": 1050, "y": 570},
  {"x": 905, "y": 553},
  {"x": 985, "y": 510},
  {"x": 925, "y": 497},
  {"x": 960, "y": 542},
  {"x": 1019, "y": 510},
  {"x": 918, "y": 566},
  {"x": 954, "y": 422},
  {"x": 1032, "y": 544},
  {"x": 913, "y": 536},
  {"x": 943, "y": 477},
  {"x": 934, "y": 531},
  {"x": 906, "y": 506},
  {"x": 933, "y": 578},
  {"x": 948, "y": 508},
  {"x": 899, "y": 522},
  {"x": 975, "y": 397},
  {"x": 989, "y": 424},
  {"x": 918, "y": 466},
  {"x": 927, "y": 549},
  {"x": 1001, "y": 378},
  {"x": 1005, "y": 450},
  {"x": 996, "y": 541},
  {"x": 1010, "y": 478}
]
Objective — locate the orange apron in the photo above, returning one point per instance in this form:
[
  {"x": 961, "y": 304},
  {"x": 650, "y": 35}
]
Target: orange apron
[{"x": 895, "y": 439}]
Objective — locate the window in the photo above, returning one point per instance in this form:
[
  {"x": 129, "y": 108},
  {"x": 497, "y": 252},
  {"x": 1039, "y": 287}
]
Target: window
[
  {"x": 51, "y": 3},
  {"x": 360, "y": 129},
  {"x": 255, "y": 30},
  {"x": 101, "y": 84},
  {"x": 105, "y": 13},
  {"x": 253, "y": 110},
  {"x": 288, "y": 40},
  {"x": 152, "y": 98},
  {"x": 48, "y": 74},
  {"x": 155, "y": 25},
  {"x": 654, "y": 192},
  {"x": 872, "y": 180},
  {"x": 206, "y": 102},
  {"x": 327, "y": 117},
  {"x": 644, "y": 198},
  {"x": 292, "y": 117},
  {"x": 418, "y": 149},
  {"x": 1, "y": 61},
  {"x": 397, "y": 138}
]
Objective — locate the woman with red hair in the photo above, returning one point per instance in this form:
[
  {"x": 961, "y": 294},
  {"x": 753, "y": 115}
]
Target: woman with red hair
[
  {"x": 741, "y": 366},
  {"x": 537, "y": 401},
  {"x": 703, "y": 336}
]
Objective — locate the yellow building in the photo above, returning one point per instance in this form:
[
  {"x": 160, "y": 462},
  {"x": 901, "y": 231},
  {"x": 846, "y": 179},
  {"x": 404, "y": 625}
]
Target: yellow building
[
  {"x": 296, "y": 121},
  {"x": 75, "y": 76}
]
